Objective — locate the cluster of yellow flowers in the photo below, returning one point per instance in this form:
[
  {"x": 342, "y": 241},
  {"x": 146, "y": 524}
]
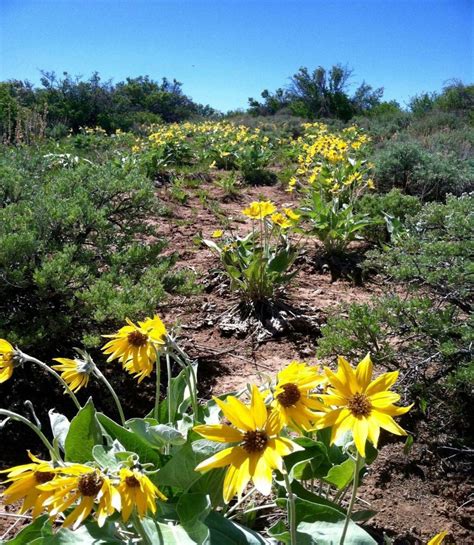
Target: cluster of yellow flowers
[
  {"x": 45, "y": 486},
  {"x": 302, "y": 399},
  {"x": 214, "y": 140},
  {"x": 135, "y": 346},
  {"x": 331, "y": 161},
  {"x": 258, "y": 210}
]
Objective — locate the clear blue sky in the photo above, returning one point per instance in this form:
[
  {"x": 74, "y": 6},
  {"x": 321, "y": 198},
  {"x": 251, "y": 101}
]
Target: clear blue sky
[{"x": 227, "y": 50}]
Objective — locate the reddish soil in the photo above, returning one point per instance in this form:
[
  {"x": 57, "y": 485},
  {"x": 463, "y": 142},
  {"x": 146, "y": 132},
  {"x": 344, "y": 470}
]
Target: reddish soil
[{"x": 415, "y": 495}]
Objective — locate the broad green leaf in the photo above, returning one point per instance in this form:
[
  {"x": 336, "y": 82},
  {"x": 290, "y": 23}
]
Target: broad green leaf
[
  {"x": 59, "y": 426},
  {"x": 156, "y": 435},
  {"x": 309, "y": 463},
  {"x": 87, "y": 534},
  {"x": 192, "y": 510},
  {"x": 84, "y": 433},
  {"x": 226, "y": 532},
  {"x": 37, "y": 530},
  {"x": 329, "y": 533},
  {"x": 166, "y": 534},
  {"x": 308, "y": 511},
  {"x": 280, "y": 532},
  {"x": 342, "y": 474},
  {"x": 304, "y": 494},
  {"x": 130, "y": 441},
  {"x": 179, "y": 472},
  {"x": 105, "y": 458}
]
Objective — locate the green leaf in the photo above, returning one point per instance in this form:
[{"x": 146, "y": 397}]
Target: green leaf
[
  {"x": 192, "y": 510},
  {"x": 280, "y": 532},
  {"x": 342, "y": 474},
  {"x": 156, "y": 435},
  {"x": 226, "y": 532},
  {"x": 309, "y": 463},
  {"x": 179, "y": 472},
  {"x": 84, "y": 433},
  {"x": 87, "y": 534},
  {"x": 130, "y": 441},
  {"x": 34, "y": 532},
  {"x": 299, "y": 490},
  {"x": 105, "y": 458},
  {"x": 166, "y": 534},
  {"x": 363, "y": 516},
  {"x": 329, "y": 533},
  {"x": 408, "y": 444},
  {"x": 309, "y": 512},
  {"x": 59, "y": 426}
]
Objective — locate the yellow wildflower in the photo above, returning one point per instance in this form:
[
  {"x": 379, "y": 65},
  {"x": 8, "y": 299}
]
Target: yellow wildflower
[
  {"x": 258, "y": 210},
  {"x": 23, "y": 484},
  {"x": 75, "y": 372},
  {"x": 136, "y": 490},
  {"x": 85, "y": 486},
  {"x": 292, "y": 398},
  {"x": 6, "y": 360},
  {"x": 360, "y": 404},
  {"x": 258, "y": 449},
  {"x": 292, "y": 214},
  {"x": 135, "y": 346},
  {"x": 280, "y": 220},
  {"x": 217, "y": 233}
]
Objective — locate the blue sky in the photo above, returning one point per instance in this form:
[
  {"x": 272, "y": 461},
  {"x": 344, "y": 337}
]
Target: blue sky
[{"x": 227, "y": 50}]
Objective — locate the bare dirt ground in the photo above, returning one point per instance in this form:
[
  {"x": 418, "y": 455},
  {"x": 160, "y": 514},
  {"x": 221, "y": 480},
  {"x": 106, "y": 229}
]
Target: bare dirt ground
[{"x": 416, "y": 495}]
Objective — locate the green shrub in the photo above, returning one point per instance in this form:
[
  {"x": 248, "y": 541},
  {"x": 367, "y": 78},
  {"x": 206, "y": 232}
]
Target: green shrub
[
  {"x": 427, "y": 340},
  {"x": 395, "y": 164},
  {"x": 435, "y": 250},
  {"x": 384, "y": 209},
  {"x": 430, "y": 175},
  {"x": 77, "y": 250}
]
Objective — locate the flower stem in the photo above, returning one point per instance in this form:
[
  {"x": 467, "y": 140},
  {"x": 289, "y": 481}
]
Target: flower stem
[
  {"x": 101, "y": 376},
  {"x": 137, "y": 524},
  {"x": 355, "y": 483},
  {"x": 291, "y": 509},
  {"x": 26, "y": 357},
  {"x": 168, "y": 393},
  {"x": 39, "y": 433},
  {"x": 156, "y": 410},
  {"x": 182, "y": 359}
]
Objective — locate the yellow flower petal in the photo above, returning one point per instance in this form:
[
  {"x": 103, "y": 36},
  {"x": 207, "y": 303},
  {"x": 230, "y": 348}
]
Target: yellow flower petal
[
  {"x": 220, "y": 433},
  {"x": 438, "y": 538},
  {"x": 220, "y": 459},
  {"x": 258, "y": 408},
  {"x": 386, "y": 422},
  {"x": 382, "y": 383},
  {"x": 360, "y": 431},
  {"x": 236, "y": 412},
  {"x": 364, "y": 372},
  {"x": 382, "y": 399}
]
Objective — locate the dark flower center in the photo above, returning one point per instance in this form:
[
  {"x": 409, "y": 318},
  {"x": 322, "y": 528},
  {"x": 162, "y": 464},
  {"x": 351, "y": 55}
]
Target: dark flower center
[
  {"x": 43, "y": 476},
  {"x": 136, "y": 338},
  {"x": 132, "y": 481},
  {"x": 90, "y": 484},
  {"x": 290, "y": 395},
  {"x": 255, "y": 441},
  {"x": 359, "y": 405}
]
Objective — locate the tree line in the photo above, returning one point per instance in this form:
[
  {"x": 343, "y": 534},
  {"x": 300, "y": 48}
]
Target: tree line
[{"x": 61, "y": 104}]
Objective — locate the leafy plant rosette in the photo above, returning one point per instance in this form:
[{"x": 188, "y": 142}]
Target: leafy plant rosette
[
  {"x": 187, "y": 471},
  {"x": 261, "y": 261},
  {"x": 332, "y": 175}
]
